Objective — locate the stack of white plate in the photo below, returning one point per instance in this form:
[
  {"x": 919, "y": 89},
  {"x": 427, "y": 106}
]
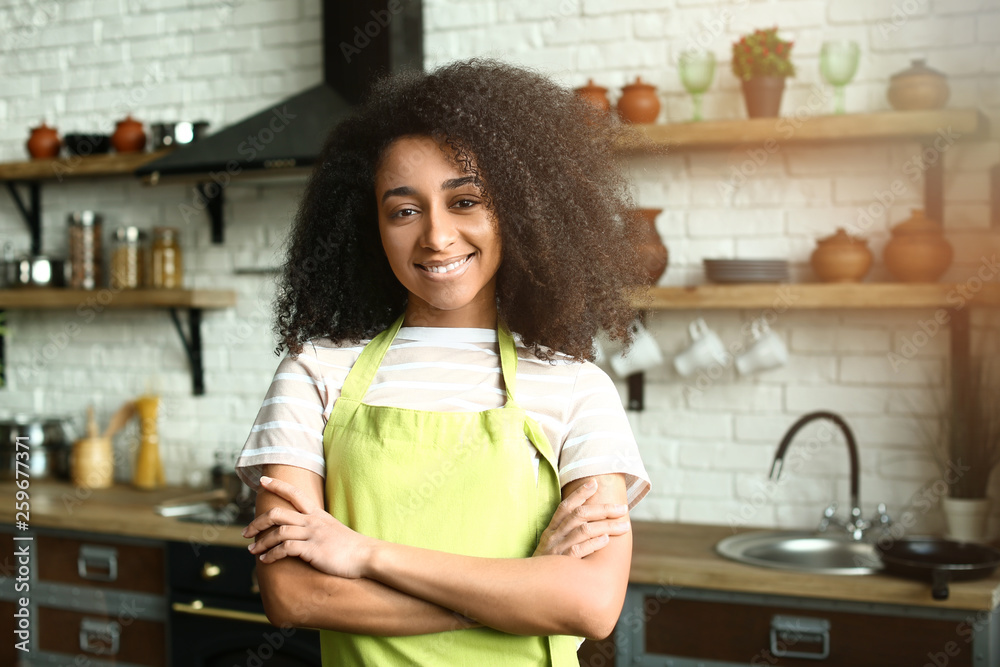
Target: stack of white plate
[{"x": 746, "y": 270}]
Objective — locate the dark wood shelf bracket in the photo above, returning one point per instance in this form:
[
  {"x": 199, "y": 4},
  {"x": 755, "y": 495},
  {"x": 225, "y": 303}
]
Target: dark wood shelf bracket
[
  {"x": 636, "y": 398},
  {"x": 934, "y": 184},
  {"x": 192, "y": 346},
  {"x": 3, "y": 350},
  {"x": 214, "y": 197},
  {"x": 31, "y": 212}
]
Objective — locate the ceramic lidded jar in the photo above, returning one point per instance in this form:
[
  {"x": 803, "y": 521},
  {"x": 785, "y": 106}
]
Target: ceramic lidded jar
[
  {"x": 129, "y": 137},
  {"x": 639, "y": 102},
  {"x": 918, "y": 252},
  {"x": 918, "y": 87},
  {"x": 841, "y": 258},
  {"x": 44, "y": 142},
  {"x": 652, "y": 252},
  {"x": 594, "y": 94}
]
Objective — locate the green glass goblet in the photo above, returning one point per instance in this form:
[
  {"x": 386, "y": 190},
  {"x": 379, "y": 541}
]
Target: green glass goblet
[
  {"x": 697, "y": 69},
  {"x": 838, "y": 63}
]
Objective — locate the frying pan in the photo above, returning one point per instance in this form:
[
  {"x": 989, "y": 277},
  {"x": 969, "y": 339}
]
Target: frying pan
[{"x": 938, "y": 560}]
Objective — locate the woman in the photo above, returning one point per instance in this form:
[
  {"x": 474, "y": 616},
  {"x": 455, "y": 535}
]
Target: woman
[{"x": 433, "y": 490}]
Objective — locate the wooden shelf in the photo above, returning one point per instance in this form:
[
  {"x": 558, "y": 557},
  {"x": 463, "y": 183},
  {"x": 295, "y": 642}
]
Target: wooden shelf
[
  {"x": 37, "y": 298},
  {"x": 882, "y": 126},
  {"x": 819, "y": 296},
  {"x": 109, "y": 164}
]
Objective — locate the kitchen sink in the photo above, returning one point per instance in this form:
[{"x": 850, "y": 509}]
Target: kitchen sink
[{"x": 801, "y": 551}]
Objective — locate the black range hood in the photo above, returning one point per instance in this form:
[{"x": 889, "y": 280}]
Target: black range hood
[{"x": 361, "y": 39}]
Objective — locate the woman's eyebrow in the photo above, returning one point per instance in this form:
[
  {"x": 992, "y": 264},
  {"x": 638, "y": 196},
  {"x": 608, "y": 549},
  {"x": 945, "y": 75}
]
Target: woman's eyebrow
[
  {"x": 453, "y": 183},
  {"x": 407, "y": 191},
  {"x": 401, "y": 191}
]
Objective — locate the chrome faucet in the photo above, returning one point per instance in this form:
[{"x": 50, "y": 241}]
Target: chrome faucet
[{"x": 856, "y": 526}]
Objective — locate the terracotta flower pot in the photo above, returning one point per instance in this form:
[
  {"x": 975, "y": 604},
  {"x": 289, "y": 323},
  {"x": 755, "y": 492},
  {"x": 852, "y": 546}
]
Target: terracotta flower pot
[
  {"x": 918, "y": 251},
  {"x": 129, "y": 136},
  {"x": 652, "y": 252},
  {"x": 594, "y": 94},
  {"x": 639, "y": 103},
  {"x": 841, "y": 258},
  {"x": 762, "y": 95},
  {"x": 44, "y": 142}
]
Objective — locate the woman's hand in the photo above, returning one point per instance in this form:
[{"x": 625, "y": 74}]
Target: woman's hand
[
  {"x": 579, "y": 530},
  {"x": 309, "y": 533}
]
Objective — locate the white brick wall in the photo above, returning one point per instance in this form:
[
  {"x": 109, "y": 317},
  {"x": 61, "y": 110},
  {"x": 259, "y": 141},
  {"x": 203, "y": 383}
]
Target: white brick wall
[{"x": 708, "y": 447}]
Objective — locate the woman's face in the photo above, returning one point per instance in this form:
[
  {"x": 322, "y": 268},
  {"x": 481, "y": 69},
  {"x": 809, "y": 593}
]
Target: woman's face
[{"x": 441, "y": 241}]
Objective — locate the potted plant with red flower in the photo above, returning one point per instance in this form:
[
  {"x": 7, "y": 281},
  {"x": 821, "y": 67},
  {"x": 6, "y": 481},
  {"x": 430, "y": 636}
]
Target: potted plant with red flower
[{"x": 762, "y": 61}]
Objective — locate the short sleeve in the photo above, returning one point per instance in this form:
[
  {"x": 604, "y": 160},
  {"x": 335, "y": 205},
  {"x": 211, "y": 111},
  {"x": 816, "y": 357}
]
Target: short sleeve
[
  {"x": 290, "y": 423},
  {"x": 598, "y": 438}
]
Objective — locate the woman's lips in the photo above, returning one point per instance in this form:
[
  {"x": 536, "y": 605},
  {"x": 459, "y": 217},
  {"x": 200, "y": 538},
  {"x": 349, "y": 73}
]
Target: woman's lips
[{"x": 447, "y": 268}]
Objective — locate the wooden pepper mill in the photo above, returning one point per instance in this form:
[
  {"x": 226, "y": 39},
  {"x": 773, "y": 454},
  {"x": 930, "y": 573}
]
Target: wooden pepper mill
[
  {"x": 148, "y": 466},
  {"x": 92, "y": 465}
]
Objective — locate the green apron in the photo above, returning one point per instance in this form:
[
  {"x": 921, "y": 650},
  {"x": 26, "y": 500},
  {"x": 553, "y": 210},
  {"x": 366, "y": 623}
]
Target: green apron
[{"x": 459, "y": 482}]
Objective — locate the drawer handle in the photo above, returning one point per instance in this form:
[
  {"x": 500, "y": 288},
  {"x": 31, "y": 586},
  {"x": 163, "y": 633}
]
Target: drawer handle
[
  {"x": 100, "y": 637},
  {"x": 97, "y": 563},
  {"x": 792, "y": 637},
  {"x": 198, "y": 608}
]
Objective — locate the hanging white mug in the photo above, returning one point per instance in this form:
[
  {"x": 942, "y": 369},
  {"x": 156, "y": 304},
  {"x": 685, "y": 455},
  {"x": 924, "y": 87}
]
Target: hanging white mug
[
  {"x": 643, "y": 355},
  {"x": 767, "y": 350},
  {"x": 706, "y": 350}
]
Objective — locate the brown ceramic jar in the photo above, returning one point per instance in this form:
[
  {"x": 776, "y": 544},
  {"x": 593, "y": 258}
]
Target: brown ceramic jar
[
  {"x": 596, "y": 95},
  {"x": 129, "y": 136},
  {"x": 918, "y": 251},
  {"x": 918, "y": 87},
  {"x": 639, "y": 103},
  {"x": 652, "y": 252},
  {"x": 44, "y": 142},
  {"x": 841, "y": 258}
]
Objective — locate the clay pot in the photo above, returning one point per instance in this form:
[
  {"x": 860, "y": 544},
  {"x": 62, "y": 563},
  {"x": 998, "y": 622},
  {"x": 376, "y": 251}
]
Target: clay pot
[
  {"x": 652, "y": 253},
  {"x": 918, "y": 251},
  {"x": 762, "y": 95},
  {"x": 594, "y": 94},
  {"x": 918, "y": 87},
  {"x": 44, "y": 142},
  {"x": 639, "y": 103},
  {"x": 129, "y": 136},
  {"x": 841, "y": 258}
]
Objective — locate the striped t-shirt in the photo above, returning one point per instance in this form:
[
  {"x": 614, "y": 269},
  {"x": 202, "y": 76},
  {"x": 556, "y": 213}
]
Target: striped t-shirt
[{"x": 447, "y": 369}]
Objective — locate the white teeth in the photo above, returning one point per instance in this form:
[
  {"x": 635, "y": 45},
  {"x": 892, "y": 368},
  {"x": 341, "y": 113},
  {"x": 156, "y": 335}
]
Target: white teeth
[{"x": 447, "y": 267}]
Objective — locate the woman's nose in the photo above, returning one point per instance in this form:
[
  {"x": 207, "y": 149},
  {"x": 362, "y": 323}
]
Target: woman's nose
[{"x": 439, "y": 230}]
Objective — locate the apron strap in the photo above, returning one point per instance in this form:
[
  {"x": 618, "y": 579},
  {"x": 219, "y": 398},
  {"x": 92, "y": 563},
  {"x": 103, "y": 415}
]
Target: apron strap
[
  {"x": 363, "y": 372},
  {"x": 508, "y": 360}
]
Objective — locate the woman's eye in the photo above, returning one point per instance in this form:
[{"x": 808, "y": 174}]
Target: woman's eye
[
  {"x": 465, "y": 203},
  {"x": 404, "y": 213}
]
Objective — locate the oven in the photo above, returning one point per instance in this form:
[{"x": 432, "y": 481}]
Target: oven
[{"x": 217, "y": 617}]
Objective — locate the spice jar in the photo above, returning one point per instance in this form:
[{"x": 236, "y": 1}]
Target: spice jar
[
  {"x": 128, "y": 258},
  {"x": 166, "y": 261},
  {"x": 84, "y": 249}
]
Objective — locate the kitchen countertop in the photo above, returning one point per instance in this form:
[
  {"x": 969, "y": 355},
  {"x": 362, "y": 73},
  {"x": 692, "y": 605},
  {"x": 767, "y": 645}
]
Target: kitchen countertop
[{"x": 667, "y": 554}]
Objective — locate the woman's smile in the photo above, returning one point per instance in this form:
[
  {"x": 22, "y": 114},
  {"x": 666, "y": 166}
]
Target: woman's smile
[{"x": 438, "y": 234}]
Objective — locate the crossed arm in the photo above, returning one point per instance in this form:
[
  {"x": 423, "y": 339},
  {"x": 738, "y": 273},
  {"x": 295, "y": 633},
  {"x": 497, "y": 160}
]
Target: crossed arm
[{"x": 316, "y": 572}]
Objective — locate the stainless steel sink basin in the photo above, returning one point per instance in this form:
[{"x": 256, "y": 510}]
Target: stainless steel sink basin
[{"x": 802, "y": 551}]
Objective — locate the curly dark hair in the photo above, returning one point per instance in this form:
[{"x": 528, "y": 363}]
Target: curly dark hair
[{"x": 552, "y": 174}]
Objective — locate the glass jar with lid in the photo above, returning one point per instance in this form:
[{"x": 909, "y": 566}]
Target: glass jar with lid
[
  {"x": 167, "y": 267},
  {"x": 129, "y": 258},
  {"x": 84, "y": 250}
]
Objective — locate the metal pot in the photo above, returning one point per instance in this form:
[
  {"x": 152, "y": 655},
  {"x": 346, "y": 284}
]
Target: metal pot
[
  {"x": 938, "y": 560},
  {"x": 166, "y": 135},
  {"x": 48, "y": 442},
  {"x": 38, "y": 271}
]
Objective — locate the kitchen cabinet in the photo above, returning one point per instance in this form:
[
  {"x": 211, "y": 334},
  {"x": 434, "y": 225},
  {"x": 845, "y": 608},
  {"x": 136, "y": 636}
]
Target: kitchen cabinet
[
  {"x": 687, "y": 627},
  {"x": 90, "y": 596}
]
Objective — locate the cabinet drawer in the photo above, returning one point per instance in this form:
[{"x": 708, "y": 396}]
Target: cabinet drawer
[
  {"x": 741, "y": 633},
  {"x": 94, "y": 563},
  {"x": 102, "y": 637}
]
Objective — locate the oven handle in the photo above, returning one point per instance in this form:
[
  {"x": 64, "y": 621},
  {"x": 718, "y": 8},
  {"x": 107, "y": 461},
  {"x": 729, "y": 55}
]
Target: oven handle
[{"x": 197, "y": 608}]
